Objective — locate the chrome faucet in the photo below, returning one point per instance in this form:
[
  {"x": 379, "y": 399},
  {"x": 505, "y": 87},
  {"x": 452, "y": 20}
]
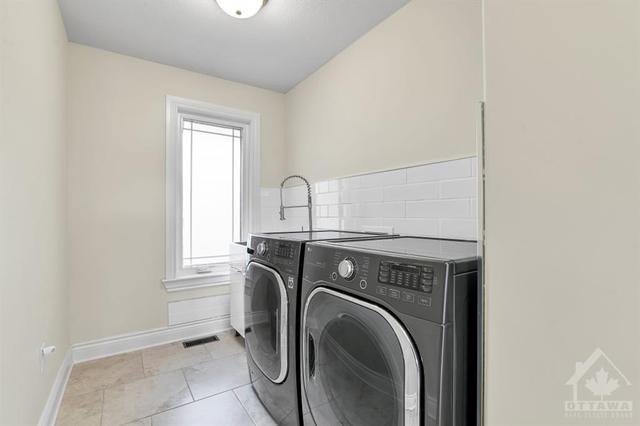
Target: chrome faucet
[{"x": 308, "y": 206}]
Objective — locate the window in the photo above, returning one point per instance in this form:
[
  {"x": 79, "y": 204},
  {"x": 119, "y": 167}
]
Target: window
[
  {"x": 210, "y": 192},
  {"x": 212, "y": 187}
]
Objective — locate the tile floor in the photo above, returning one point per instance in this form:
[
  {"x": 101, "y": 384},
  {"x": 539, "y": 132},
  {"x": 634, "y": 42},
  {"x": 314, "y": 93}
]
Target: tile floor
[{"x": 165, "y": 385}]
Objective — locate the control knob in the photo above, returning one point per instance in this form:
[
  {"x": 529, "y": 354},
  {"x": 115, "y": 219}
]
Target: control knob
[
  {"x": 347, "y": 269},
  {"x": 262, "y": 248}
]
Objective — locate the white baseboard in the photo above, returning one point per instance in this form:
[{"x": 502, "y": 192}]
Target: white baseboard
[
  {"x": 145, "y": 339},
  {"x": 50, "y": 411}
]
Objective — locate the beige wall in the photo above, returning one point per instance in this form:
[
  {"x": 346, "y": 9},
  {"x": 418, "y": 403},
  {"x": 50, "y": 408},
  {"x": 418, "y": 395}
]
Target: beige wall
[
  {"x": 33, "y": 301},
  {"x": 562, "y": 201},
  {"x": 405, "y": 93},
  {"x": 116, "y": 182}
]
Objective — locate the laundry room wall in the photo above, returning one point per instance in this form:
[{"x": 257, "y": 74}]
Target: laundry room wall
[
  {"x": 33, "y": 288},
  {"x": 406, "y": 93},
  {"x": 562, "y": 206},
  {"x": 116, "y": 110}
]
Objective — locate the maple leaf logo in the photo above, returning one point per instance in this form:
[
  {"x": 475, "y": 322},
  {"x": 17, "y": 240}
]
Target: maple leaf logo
[{"x": 601, "y": 385}]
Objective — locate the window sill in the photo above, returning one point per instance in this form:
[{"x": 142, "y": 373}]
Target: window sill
[{"x": 191, "y": 282}]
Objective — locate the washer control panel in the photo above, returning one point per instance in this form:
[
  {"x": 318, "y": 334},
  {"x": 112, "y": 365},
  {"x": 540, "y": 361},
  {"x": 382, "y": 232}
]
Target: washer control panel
[
  {"x": 412, "y": 276},
  {"x": 415, "y": 287}
]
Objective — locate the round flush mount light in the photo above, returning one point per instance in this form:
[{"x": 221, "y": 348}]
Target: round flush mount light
[{"x": 241, "y": 9}]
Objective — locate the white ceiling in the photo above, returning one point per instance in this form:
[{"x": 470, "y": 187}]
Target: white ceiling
[{"x": 276, "y": 49}]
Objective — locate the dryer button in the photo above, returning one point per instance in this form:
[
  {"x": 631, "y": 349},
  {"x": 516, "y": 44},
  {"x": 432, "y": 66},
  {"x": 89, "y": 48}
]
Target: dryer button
[
  {"x": 407, "y": 297},
  {"x": 424, "y": 301}
]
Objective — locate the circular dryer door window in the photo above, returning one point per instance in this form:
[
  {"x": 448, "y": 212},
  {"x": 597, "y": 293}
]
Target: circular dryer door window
[
  {"x": 359, "y": 366},
  {"x": 266, "y": 320}
]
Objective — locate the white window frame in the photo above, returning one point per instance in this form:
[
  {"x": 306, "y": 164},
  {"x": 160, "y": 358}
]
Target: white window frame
[{"x": 175, "y": 277}]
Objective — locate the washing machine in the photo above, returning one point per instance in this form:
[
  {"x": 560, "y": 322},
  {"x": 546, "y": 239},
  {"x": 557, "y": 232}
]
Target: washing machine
[
  {"x": 390, "y": 333},
  {"x": 271, "y": 293}
]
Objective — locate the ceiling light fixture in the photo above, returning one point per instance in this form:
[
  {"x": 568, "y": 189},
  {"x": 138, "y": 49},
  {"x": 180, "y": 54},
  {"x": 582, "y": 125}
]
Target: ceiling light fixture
[{"x": 241, "y": 9}]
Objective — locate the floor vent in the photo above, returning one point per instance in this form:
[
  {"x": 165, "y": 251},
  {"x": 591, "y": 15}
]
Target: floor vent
[{"x": 200, "y": 341}]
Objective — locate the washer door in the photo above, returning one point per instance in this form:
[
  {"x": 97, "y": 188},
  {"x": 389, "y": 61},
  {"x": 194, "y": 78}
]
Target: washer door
[
  {"x": 266, "y": 320},
  {"x": 359, "y": 365}
]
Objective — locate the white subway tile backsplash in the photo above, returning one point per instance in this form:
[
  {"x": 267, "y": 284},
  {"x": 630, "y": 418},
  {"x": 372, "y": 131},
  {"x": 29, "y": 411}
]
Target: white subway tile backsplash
[
  {"x": 333, "y": 211},
  {"x": 325, "y": 211},
  {"x": 351, "y": 223},
  {"x": 269, "y": 215},
  {"x": 440, "y": 171},
  {"x": 270, "y": 221},
  {"x": 422, "y": 227},
  {"x": 358, "y": 223},
  {"x": 295, "y": 195},
  {"x": 395, "y": 209},
  {"x": 369, "y": 222},
  {"x": 327, "y": 223},
  {"x": 321, "y": 187},
  {"x": 457, "y": 228},
  {"x": 327, "y": 198},
  {"x": 297, "y": 212},
  {"x": 349, "y": 183},
  {"x": 392, "y": 177},
  {"x": 416, "y": 191},
  {"x": 365, "y": 195},
  {"x": 351, "y": 210},
  {"x": 437, "y": 200},
  {"x": 461, "y": 188},
  {"x": 321, "y": 211},
  {"x": 439, "y": 209}
]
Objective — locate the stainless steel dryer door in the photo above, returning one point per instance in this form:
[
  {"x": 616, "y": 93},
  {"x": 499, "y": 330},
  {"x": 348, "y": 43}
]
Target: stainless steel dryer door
[
  {"x": 266, "y": 320},
  {"x": 359, "y": 366}
]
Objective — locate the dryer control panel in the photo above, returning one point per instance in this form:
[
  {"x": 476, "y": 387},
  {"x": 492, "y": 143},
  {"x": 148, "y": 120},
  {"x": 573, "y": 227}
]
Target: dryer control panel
[{"x": 284, "y": 255}]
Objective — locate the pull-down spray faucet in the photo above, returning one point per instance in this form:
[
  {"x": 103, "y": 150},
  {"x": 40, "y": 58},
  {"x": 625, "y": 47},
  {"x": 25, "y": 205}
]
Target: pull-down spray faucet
[{"x": 308, "y": 206}]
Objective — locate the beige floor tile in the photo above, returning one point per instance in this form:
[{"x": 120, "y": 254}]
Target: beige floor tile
[
  {"x": 219, "y": 375},
  {"x": 228, "y": 345},
  {"x": 142, "y": 422},
  {"x": 142, "y": 398},
  {"x": 99, "y": 374},
  {"x": 253, "y": 406},
  {"x": 171, "y": 357},
  {"x": 220, "y": 410},
  {"x": 81, "y": 410}
]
